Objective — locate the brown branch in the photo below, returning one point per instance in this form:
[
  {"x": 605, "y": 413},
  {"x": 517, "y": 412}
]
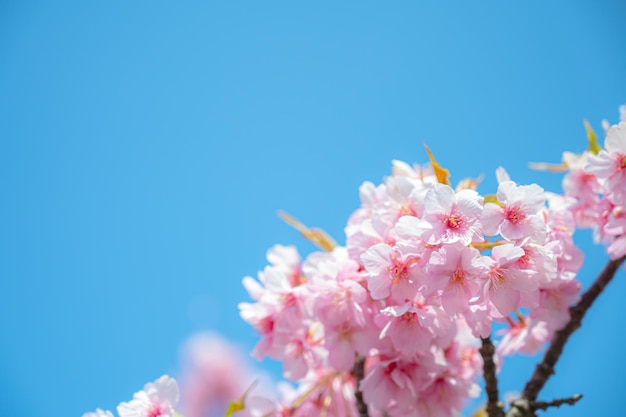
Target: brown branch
[
  {"x": 544, "y": 405},
  {"x": 494, "y": 407},
  {"x": 545, "y": 368},
  {"x": 359, "y": 373}
]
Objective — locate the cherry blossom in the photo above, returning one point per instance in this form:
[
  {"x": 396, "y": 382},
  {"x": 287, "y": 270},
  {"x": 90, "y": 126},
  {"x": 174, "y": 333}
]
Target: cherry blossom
[
  {"x": 525, "y": 336},
  {"x": 610, "y": 164},
  {"x": 157, "y": 399},
  {"x": 516, "y": 215},
  {"x": 454, "y": 270},
  {"x": 451, "y": 217},
  {"x": 392, "y": 271}
]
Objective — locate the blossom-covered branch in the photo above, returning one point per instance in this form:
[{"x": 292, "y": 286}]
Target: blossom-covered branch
[
  {"x": 398, "y": 322},
  {"x": 426, "y": 270}
]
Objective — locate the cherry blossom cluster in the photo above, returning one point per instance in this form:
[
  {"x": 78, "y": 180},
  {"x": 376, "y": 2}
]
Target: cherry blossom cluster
[
  {"x": 426, "y": 270},
  {"x": 390, "y": 324},
  {"x": 157, "y": 399},
  {"x": 597, "y": 180}
]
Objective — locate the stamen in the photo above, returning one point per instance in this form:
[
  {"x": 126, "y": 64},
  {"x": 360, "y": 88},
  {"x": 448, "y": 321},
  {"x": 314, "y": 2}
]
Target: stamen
[
  {"x": 459, "y": 277},
  {"x": 515, "y": 215}
]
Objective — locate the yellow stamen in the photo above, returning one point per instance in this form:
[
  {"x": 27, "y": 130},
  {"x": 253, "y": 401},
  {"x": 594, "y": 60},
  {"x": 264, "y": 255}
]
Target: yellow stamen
[
  {"x": 497, "y": 276},
  {"x": 459, "y": 276}
]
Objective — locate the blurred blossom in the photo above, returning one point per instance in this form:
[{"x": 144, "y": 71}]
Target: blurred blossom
[{"x": 214, "y": 372}]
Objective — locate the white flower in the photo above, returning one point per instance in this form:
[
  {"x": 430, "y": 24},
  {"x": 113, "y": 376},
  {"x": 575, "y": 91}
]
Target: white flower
[{"x": 157, "y": 399}]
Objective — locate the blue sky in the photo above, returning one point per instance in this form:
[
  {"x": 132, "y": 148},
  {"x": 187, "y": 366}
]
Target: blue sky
[{"x": 146, "y": 146}]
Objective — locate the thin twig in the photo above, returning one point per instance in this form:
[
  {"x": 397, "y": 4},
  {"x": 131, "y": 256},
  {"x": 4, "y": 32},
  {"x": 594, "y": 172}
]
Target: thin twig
[
  {"x": 545, "y": 368},
  {"x": 359, "y": 373},
  {"x": 494, "y": 408},
  {"x": 544, "y": 405}
]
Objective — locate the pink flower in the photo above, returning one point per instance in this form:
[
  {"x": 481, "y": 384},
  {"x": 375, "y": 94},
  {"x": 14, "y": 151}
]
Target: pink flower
[
  {"x": 392, "y": 271},
  {"x": 539, "y": 259},
  {"x": 617, "y": 248},
  {"x": 446, "y": 395},
  {"x": 157, "y": 399},
  {"x": 394, "y": 381},
  {"x": 555, "y": 298},
  {"x": 345, "y": 312},
  {"x": 616, "y": 226},
  {"x": 278, "y": 310},
  {"x": 479, "y": 318},
  {"x": 516, "y": 217},
  {"x": 451, "y": 217},
  {"x": 409, "y": 327},
  {"x": 505, "y": 281},
  {"x": 453, "y": 271},
  {"x": 610, "y": 164},
  {"x": 526, "y": 336},
  {"x": 578, "y": 182},
  {"x": 287, "y": 260}
]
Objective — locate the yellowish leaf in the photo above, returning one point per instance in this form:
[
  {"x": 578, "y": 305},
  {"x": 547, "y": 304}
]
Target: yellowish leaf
[
  {"x": 317, "y": 236},
  {"x": 239, "y": 404},
  {"x": 544, "y": 166},
  {"x": 468, "y": 183},
  {"x": 441, "y": 173},
  {"x": 492, "y": 198},
  {"x": 593, "y": 147}
]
